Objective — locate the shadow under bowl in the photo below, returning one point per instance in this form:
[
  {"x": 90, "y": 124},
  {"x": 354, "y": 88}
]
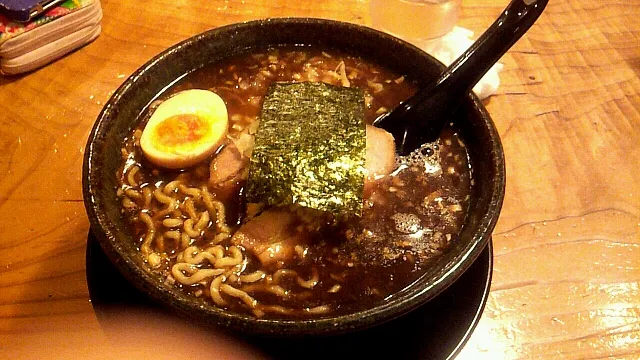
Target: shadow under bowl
[{"x": 122, "y": 112}]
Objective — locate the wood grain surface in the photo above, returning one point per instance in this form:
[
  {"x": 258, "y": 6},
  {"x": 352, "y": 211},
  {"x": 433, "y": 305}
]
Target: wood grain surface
[{"x": 567, "y": 245}]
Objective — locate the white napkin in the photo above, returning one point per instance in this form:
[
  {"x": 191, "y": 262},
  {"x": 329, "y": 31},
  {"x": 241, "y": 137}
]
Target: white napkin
[{"x": 450, "y": 46}]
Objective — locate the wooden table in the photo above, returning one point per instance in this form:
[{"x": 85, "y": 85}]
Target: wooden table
[{"x": 567, "y": 245}]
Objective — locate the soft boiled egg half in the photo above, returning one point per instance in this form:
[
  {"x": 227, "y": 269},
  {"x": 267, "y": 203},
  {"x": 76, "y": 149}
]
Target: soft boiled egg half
[{"x": 185, "y": 129}]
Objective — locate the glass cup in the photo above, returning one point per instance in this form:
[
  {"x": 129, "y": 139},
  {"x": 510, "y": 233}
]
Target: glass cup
[{"x": 415, "y": 20}]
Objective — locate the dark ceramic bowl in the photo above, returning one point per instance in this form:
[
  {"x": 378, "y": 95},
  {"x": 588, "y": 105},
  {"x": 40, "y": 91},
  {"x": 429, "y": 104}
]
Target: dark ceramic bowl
[{"x": 122, "y": 111}]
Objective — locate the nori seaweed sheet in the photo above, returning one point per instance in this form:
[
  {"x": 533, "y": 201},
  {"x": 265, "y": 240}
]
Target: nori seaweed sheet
[{"x": 310, "y": 148}]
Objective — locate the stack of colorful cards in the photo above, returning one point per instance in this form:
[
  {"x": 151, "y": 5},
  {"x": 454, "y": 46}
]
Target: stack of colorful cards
[{"x": 37, "y": 39}]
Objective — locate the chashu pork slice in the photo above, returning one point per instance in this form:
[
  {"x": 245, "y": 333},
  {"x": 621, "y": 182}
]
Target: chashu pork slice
[
  {"x": 271, "y": 236},
  {"x": 380, "y": 159}
]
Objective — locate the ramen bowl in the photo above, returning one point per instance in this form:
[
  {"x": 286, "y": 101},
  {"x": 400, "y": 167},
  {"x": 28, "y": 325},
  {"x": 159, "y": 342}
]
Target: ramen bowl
[{"x": 123, "y": 110}]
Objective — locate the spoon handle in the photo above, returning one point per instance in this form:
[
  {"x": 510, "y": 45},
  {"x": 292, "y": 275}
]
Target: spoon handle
[{"x": 422, "y": 117}]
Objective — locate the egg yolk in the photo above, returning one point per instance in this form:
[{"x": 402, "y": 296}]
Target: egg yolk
[{"x": 181, "y": 131}]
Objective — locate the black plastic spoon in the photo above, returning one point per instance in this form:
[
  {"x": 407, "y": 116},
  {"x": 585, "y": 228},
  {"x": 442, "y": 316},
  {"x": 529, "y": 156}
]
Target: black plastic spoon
[{"x": 422, "y": 117}]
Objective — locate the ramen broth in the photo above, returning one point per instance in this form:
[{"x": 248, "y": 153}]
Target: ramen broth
[{"x": 185, "y": 225}]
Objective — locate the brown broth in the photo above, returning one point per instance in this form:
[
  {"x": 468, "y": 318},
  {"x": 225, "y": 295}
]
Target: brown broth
[{"x": 409, "y": 221}]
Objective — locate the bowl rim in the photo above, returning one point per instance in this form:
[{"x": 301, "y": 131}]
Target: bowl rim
[{"x": 382, "y": 312}]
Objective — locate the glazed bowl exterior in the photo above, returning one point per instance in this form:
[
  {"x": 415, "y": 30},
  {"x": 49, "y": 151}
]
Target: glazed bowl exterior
[{"x": 122, "y": 112}]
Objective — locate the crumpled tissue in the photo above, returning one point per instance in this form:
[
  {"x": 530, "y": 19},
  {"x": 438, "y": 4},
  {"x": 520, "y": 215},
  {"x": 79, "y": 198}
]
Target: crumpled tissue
[{"x": 450, "y": 46}]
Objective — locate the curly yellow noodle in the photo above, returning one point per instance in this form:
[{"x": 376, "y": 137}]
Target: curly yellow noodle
[
  {"x": 172, "y": 234},
  {"x": 236, "y": 253},
  {"x": 234, "y": 259},
  {"x": 217, "y": 251},
  {"x": 190, "y": 209},
  {"x": 133, "y": 194},
  {"x": 185, "y": 241},
  {"x": 145, "y": 248},
  {"x": 233, "y": 279},
  {"x": 194, "y": 192},
  {"x": 215, "y": 207},
  {"x": 131, "y": 176},
  {"x": 171, "y": 203},
  {"x": 322, "y": 309},
  {"x": 193, "y": 255},
  {"x": 253, "y": 277},
  {"x": 148, "y": 196},
  {"x": 220, "y": 238},
  {"x": 165, "y": 199},
  {"x": 234, "y": 269},
  {"x": 308, "y": 284},
  {"x": 277, "y": 290},
  {"x": 246, "y": 298},
  {"x": 172, "y": 222},
  {"x": 171, "y": 187},
  {"x": 272, "y": 289},
  {"x": 313, "y": 281},
  {"x": 197, "y": 275},
  {"x": 188, "y": 228},
  {"x": 276, "y": 309},
  {"x": 203, "y": 222},
  {"x": 128, "y": 204},
  {"x": 277, "y": 276},
  {"x": 214, "y": 289},
  {"x": 159, "y": 244}
]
